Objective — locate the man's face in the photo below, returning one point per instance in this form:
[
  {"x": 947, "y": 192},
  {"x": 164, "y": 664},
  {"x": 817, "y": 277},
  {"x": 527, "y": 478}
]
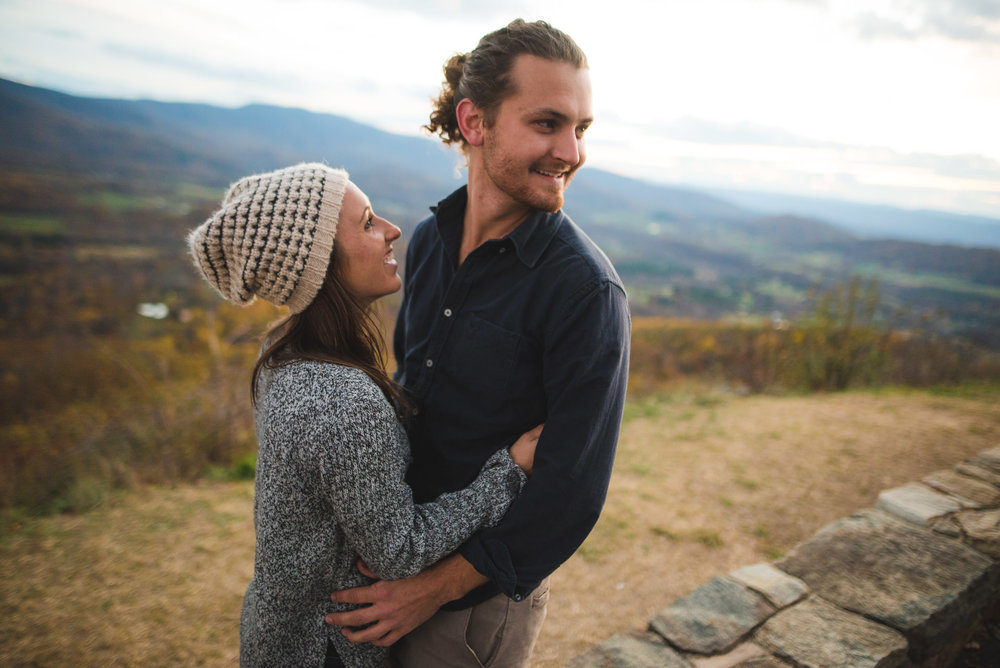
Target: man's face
[{"x": 535, "y": 144}]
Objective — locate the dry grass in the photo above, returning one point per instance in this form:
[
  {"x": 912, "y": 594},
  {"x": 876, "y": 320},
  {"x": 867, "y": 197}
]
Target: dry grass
[
  {"x": 703, "y": 484},
  {"x": 155, "y": 578}
]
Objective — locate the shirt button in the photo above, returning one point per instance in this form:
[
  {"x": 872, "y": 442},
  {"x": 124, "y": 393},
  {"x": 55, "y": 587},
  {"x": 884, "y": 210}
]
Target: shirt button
[
  {"x": 447, "y": 313},
  {"x": 429, "y": 363},
  {"x": 503, "y": 249},
  {"x": 416, "y": 411}
]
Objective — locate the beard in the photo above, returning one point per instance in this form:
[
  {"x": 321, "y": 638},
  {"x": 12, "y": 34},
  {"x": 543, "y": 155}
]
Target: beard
[{"x": 517, "y": 177}]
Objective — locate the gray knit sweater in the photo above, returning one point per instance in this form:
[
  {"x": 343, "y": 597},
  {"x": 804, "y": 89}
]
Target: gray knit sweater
[{"x": 330, "y": 490}]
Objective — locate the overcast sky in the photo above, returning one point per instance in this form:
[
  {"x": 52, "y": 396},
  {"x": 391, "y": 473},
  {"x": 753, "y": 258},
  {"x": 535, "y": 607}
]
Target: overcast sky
[{"x": 888, "y": 101}]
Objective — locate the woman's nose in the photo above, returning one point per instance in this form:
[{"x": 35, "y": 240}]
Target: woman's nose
[{"x": 392, "y": 232}]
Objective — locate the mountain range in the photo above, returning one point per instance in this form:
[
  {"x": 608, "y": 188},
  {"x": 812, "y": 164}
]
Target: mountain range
[{"x": 681, "y": 251}]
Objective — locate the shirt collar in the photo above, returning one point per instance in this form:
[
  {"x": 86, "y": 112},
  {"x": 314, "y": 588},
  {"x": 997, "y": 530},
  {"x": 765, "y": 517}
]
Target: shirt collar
[{"x": 529, "y": 239}]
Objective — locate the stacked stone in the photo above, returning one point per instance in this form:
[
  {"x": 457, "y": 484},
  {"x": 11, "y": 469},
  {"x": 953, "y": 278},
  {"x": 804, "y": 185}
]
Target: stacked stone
[{"x": 903, "y": 584}]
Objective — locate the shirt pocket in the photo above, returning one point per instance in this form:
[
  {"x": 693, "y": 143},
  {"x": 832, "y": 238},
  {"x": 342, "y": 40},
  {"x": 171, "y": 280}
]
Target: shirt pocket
[{"x": 483, "y": 356}]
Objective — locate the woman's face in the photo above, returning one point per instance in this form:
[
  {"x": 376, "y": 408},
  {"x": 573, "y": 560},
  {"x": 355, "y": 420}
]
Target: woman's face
[{"x": 363, "y": 248}]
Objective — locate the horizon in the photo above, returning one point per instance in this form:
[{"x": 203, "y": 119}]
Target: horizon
[{"x": 849, "y": 101}]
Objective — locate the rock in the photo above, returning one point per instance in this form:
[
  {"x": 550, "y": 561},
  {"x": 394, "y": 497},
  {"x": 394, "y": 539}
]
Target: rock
[
  {"x": 815, "y": 633},
  {"x": 976, "y": 492},
  {"x": 713, "y": 618},
  {"x": 746, "y": 655},
  {"x": 987, "y": 459},
  {"x": 636, "y": 650},
  {"x": 979, "y": 529},
  {"x": 978, "y": 472},
  {"x": 778, "y": 587},
  {"x": 946, "y": 525},
  {"x": 763, "y": 662},
  {"x": 928, "y": 587},
  {"x": 916, "y": 503},
  {"x": 982, "y": 530}
]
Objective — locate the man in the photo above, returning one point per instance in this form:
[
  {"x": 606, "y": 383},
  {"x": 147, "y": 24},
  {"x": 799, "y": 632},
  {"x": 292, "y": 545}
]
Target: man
[{"x": 511, "y": 317}]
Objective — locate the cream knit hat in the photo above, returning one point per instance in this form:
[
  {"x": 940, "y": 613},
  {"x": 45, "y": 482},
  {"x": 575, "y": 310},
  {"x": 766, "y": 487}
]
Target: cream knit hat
[{"x": 273, "y": 236}]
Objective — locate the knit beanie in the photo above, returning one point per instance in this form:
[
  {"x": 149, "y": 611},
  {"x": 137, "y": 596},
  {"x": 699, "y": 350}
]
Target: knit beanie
[{"x": 273, "y": 236}]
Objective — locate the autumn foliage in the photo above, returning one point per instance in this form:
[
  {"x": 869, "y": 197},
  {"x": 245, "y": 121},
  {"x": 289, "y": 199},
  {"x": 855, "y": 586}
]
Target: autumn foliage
[
  {"x": 122, "y": 367},
  {"x": 113, "y": 402},
  {"x": 840, "y": 343}
]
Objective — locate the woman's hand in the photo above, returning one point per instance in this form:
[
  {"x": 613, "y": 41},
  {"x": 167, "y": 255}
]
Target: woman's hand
[{"x": 523, "y": 450}]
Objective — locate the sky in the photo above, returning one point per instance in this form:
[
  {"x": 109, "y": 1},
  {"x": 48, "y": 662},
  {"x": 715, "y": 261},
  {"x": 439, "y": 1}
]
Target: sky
[{"x": 878, "y": 101}]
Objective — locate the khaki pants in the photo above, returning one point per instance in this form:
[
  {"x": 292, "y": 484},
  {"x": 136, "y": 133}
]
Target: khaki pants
[{"x": 497, "y": 633}]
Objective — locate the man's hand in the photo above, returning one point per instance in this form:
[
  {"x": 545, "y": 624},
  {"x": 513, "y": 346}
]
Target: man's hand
[{"x": 396, "y": 607}]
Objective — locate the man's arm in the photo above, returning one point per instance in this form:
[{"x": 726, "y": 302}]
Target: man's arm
[
  {"x": 399, "y": 606},
  {"x": 585, "y": 372}
]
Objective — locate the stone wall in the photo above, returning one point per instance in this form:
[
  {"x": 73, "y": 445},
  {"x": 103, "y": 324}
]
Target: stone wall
[{"x": 905, "y": 583}]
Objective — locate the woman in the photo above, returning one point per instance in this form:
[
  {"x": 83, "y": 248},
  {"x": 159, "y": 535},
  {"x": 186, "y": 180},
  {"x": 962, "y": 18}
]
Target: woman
[{"x": 332, "y": 455}]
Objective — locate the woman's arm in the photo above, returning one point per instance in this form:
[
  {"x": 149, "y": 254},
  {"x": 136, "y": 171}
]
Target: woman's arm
[{"x": 349, "y": 432}]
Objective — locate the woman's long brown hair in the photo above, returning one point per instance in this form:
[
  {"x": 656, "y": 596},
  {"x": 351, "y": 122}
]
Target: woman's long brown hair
[{"x": 336, "y": 328}]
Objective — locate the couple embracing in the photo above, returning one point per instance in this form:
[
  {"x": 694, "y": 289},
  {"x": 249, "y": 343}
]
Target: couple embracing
[{"x": 424, "y": 512}]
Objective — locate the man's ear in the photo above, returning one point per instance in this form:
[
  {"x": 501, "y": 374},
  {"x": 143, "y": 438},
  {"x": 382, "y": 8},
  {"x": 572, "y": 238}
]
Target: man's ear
[{"x": 470, "y": 121}]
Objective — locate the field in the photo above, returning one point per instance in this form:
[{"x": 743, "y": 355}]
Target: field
[
  {"x": 705, "y": 482},
  {"x": 126, "y": 443}
]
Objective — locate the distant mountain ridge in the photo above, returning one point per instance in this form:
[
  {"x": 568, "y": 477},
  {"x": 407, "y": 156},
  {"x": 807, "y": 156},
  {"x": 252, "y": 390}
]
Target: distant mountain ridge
[
  {"x": 876, "y": 220},
  {"x": 681, "y": 251},
  {"x": 220, "y": 144},
  {"x": 214, "y": 144}
]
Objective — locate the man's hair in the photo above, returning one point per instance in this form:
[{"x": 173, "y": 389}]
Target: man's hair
[{"x": 483, "y": 74}]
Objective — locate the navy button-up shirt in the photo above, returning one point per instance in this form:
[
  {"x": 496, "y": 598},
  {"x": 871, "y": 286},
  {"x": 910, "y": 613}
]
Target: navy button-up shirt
[{"x": 530, "y": 328}]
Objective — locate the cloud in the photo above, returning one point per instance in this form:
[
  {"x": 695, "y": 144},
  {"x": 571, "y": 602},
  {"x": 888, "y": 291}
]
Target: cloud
[
  {"x": 787, "y": 83},
  {"x": 202, "y": 68},
  {"x": 468, "y": 9},
  {"x": 976, "y": 21},
  {"x": 711, "y": 132},
  {"x": 747, "y": 155},
  {"x": 967, "y": 166},
  {"x": 749, "y": 139},
  {"x": 821, "y": 4}
]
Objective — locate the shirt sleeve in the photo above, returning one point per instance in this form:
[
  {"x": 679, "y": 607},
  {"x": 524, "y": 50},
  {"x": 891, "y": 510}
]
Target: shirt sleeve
[
  {"x": 351, "y": 435},
  {"x": 585, "y": 369}
]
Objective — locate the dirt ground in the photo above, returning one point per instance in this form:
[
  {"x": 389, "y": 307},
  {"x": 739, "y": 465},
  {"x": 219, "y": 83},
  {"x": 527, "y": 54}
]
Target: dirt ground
[
  {"x": 704, "y": 486},
  {"x": 704, "y": 483}
]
